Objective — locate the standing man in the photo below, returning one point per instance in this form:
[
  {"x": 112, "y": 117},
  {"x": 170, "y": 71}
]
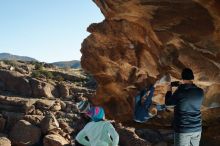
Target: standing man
[{"x": 187, "y": 100}]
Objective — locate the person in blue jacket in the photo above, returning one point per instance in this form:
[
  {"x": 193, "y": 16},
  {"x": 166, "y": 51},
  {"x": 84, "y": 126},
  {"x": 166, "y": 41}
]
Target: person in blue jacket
[{"x": 143, "y": 102}]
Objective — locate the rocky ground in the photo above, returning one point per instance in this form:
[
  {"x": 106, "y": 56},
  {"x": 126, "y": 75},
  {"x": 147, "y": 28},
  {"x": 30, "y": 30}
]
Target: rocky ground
[
  {"x": 37, "y": 103},
  {"x": 38, "y": 108}
]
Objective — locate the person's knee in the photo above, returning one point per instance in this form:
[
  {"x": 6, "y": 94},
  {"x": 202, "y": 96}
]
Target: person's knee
[{"x": 181, "y": 139}]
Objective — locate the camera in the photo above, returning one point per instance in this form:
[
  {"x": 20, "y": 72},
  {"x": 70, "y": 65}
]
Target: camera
[{"x": 175, "y": 84}]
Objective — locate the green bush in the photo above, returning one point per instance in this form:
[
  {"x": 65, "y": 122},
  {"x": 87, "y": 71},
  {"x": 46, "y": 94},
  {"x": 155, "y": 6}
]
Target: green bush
[
  {"x": 38, "y": 66},
  {"x": 36, "y": 74},
  {"x": 48, "y": 74},
  {"x": 10, "y": 62},
  {"x": 59, "y": 78},
  {"x": 40, "y": 73}
]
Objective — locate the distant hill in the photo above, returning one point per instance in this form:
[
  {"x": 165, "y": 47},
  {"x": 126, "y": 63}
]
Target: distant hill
[
  {"x": 7, "y": 56},
  {"x": 71, "y": 64}
]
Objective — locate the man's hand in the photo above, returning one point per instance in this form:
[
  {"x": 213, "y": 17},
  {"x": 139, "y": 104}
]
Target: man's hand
[
  {"x": 175, "y": 84},
  {"x": 169, "y": 87}
]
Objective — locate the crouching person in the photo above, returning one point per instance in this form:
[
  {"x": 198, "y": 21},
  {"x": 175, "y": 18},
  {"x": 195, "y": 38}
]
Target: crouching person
[{"x": 99, "y": 132}]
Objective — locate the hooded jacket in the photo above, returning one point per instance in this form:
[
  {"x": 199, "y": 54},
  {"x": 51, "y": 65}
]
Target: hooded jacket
[
  {"x": 100, "y": 133},
  {"x": 187, "y": 100}
]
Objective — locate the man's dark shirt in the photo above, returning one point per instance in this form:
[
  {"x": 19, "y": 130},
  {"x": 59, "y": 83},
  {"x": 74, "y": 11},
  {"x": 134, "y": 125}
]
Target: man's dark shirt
[{"x": 187, "y": 100}]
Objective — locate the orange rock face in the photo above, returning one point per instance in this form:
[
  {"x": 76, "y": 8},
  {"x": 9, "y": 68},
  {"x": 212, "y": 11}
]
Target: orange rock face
[{"x": 140, "y": 40}]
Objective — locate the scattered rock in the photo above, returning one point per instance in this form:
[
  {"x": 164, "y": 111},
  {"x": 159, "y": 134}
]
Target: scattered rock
[
  {"x": 66, "y": 127},
  {"x": 4, "y": 141},
  {"x": 25, "y": 134},
  {"x": 128, "y": 137},
  {"x": 44, "y": 104},
  {"x": 49, "y": 123},
  {"x": 12, "y": 118},
  {"x": 63, "y": 90},
  {"x": 56, "y": 106},
  {"x": 54, "y": 140},
  {"x": 34, "y": 119},
  {"x": 63, "y": 105},
  {"x": 15, "y": 83},
  {"x": 150, "y": 135},
  {"x": 41, "y": 89}
]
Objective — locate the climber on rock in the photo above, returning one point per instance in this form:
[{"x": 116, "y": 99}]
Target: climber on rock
[
  {"x": 99, "y": 132},
  {"x": 187, "y": 101},
  {"x": 145, "y": 109},
  {"x": 143, "y": 101}
]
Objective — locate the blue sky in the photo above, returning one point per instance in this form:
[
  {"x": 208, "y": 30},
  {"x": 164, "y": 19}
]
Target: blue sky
[{"x": 47, "y": 30}]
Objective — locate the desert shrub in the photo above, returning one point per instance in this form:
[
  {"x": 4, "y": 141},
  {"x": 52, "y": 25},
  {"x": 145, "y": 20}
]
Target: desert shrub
[
  {"x": 48, "y": 74},
  {"x": 40, "y": 73},
  {"x": 38, "y": 66},
  {"x": 59, "y": 78},
  {"x": 10, "y": 62},
  {"x": 36, "y": 74}
]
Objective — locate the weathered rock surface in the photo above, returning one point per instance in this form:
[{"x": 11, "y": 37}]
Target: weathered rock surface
[
  {"x": 42, "y": 89},
  {"x": 212, "y": 96},
  {"x": 25, "y": 134},
  {"x": 15, "y": 82},
  {"x": 15, "y": 104},
  {"x": 63, "y": 90},
  {"x": 23, "y": 79},
  {"x": 129, "y": 137},
  {"x": 25, "y": 117},
  {"x": 4, "y": 141},
  {"x": 49, "y": 123},
  {"x": 141, "y": 40},
  {"x": 54, "y": 140}
]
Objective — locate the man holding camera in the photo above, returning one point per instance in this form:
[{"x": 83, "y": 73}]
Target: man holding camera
[{"x": 187, "y": 100}]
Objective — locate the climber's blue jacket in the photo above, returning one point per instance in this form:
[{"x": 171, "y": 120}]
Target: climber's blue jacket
[{"x": 141, "y": 110}]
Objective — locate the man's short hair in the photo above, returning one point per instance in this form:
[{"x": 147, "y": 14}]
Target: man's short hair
[{"x": 187, "y": 74}]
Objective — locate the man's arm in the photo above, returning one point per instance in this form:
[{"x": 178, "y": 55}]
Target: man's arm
[
  {"x": 171, "y": 98},
  {"x": 148, "y": 100}
]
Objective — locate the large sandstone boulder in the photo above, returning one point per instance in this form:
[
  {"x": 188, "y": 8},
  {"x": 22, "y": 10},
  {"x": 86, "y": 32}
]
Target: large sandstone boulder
[
  {"x": 49, "y": 123},
  {"x": 12, "y": 118},
  {"x": 140, "y": 40},
  {"x": 42, "y": 89},
  {"x": 63, "y": 90},
  {"x": 25, "y": 134},
  {"x": 15, "y": 83},
  {"x": 15, "y": 104},
  {"x": 55, "y": 140},
  {"x": 44, "y": 104},
  {"x": 34, "y": 119}
]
